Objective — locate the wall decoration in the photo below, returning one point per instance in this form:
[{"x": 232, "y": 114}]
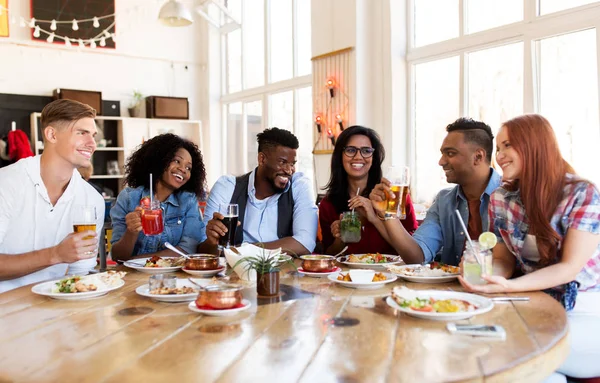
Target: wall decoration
[
  {"x": 4, "y": 32},
  {"x": 331, "y": 102},
  {"x": 90, "y": 22}
]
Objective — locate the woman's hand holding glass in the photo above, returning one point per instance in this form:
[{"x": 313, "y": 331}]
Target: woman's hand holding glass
[
  {"x": 133, "y": 220},
  {"x": 495, "y": 284},
  {"x": 363, "y": 207}
]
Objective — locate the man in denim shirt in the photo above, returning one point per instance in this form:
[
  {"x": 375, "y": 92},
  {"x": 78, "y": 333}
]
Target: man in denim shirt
[{"x": 466, "y": 159}]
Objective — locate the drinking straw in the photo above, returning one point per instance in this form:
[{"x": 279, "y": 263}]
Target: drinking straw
[
  {"x": 151, "y": 194},
  {"x": 357, "y": 191},
  {"x": 462, "y": 223}
]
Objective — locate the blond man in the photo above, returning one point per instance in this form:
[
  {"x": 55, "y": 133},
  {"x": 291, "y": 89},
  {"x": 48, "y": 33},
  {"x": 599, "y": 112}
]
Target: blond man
[{"x": 38, "y": 199}]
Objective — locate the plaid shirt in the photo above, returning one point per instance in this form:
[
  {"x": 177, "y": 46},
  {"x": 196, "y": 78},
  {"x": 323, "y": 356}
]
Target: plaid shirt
[{"x": 579, "y": 210}]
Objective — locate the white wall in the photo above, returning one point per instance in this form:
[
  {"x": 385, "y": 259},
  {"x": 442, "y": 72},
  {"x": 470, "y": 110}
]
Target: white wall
[
  {"x": 149, "y": 57},
  {"x": 377, "y": 31}
]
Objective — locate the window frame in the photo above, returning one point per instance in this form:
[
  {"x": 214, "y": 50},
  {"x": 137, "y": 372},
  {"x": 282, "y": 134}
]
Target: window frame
[{"x": 530, "y": 31}]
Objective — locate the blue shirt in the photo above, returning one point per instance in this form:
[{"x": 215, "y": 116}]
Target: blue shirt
[
  {"x": 441, "y": 229},
  {"x": 261, "y": 215},
  {"x": 183, "y": 226}
]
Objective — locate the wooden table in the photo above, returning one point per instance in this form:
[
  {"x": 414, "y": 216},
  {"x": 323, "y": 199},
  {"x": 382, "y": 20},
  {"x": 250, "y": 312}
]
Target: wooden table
[{"x": 125, "y": 337}]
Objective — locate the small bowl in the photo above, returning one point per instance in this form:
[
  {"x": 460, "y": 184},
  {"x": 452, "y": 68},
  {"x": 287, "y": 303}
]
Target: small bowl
[
  {"x": 202, "y": 262},
  {"x": 223, "y": 296},
  {"x": 317, "y": 263},
  {"x": 362, "y": 275}
]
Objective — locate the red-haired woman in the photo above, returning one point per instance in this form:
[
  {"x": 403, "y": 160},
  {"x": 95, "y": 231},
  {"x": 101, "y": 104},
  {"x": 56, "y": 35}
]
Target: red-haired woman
[{"x": 547, "y": 221}]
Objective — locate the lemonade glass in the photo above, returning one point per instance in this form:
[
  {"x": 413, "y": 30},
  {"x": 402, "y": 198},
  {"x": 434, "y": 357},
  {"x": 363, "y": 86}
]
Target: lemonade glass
[{"x": 472, "y": 270}]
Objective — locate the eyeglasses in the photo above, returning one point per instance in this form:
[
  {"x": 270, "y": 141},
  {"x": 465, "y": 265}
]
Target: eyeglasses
[{"x": 365, "y": 151}]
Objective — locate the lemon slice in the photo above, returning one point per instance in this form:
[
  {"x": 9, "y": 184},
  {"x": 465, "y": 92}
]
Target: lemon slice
[{"x": 487, "y": 240}]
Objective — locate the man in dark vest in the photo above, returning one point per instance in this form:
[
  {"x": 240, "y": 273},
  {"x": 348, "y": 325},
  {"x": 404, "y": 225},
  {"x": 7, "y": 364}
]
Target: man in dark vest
[{"x": 276, "y": 205}]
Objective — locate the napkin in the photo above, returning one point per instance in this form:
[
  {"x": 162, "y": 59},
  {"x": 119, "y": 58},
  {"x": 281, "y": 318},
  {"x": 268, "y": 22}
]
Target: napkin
[{"x": 247, "y": 250}]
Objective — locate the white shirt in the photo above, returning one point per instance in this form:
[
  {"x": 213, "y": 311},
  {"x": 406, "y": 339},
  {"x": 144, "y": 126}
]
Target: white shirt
[{"x": 29, "y": 222}]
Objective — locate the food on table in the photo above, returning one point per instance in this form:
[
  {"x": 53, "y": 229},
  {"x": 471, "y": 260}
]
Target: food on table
[
  {"x": 79, "y": 284},
  {"x": 174, "y": 290},
  {"x": 434, "y": 269},
  {"x": 410, "y": 299},
  {"x": 157, "y": 261},
  {"x": 367, "y": 258},
  {"x": 378, "y": 277}
]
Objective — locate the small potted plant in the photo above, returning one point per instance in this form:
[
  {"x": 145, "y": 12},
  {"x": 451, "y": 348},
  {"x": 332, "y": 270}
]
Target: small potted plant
[
  {"x": 267, "y": 266},
  {"x": 135, "y": 108}
]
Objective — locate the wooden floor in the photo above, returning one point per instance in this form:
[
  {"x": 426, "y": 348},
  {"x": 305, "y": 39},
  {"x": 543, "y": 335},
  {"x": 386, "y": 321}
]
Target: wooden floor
[{"x": 316, "y": 331}]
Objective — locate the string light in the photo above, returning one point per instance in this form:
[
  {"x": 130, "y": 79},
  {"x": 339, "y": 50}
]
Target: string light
[
  {"x": 340, "y": 121},
  {"x": 99, "y": 39},
  {"x": 318, "y": 122},
  {"x": 331, "y": 86}
]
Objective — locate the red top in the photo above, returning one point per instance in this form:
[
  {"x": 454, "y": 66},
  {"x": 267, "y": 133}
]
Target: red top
[{"x": 370, "y": 240}]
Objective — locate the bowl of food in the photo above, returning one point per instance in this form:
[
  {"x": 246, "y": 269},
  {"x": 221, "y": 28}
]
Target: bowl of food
[
  {"x": 317, "y": 263},
  {"x": 222, "y": 296},
  {"x": 202, "y": 262}
]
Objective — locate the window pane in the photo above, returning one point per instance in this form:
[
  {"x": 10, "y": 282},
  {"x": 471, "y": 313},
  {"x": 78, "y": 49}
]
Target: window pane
[
  {"x": 437, "y": 95},
  {"x": 254, "y": 123},
  {"x": 304, "y": 132},
  {"x": 234, "y": 144},
  {"x": 235, "y": 7},
  {"x": 281, "y": 61},
  {"x": 495, "y": 91},
  {"x": 281, "y": 108},
  {"x": 486, "y": 14},
  {"x": 569, "y": 97},
  {"x": 254, "y": 43},
  {"x": 435, "y": 20},
  {"x": 234, "y": 61},
  {"x": 303, "y": 30},
  {"x": 549, "y": 6}
]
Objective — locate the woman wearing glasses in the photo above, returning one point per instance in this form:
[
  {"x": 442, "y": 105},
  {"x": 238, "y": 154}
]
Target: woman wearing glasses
[{"x": 356, "y": 166}]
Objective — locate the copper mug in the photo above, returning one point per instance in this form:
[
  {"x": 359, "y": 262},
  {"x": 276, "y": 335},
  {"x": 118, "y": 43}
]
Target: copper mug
[
  {"x": 202, "y": 262},
  {"x": 317, "y": 263},
  {"x": 224, "y": 296}
]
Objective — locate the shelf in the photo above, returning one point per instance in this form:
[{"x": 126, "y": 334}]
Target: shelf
[
  {"x": 106, "y": 177},
  {"x": 110, "y": 149}
]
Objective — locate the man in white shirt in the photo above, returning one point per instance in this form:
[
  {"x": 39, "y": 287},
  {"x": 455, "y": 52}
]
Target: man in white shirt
[{"x": 39, "y": 197}]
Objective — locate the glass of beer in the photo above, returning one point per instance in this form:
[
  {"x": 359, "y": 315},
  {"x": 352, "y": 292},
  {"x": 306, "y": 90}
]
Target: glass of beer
[
  {"x": 84, "y": 219},
  {"x": 399, "y": 176},
  {"x": 152, "y": 218},
  {"x": 230, "y": 213}
]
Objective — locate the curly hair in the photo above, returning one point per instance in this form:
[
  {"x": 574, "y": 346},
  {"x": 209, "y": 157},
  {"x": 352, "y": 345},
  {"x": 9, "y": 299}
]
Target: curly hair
[
  {"x": 155, "y": 155},
  {"x": 337, "y": 187},
  {"x": 475, "y": 132},
  {"x": 270, "y": 138}
]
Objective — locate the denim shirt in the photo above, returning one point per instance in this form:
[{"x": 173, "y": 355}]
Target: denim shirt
[
  {"x": 441, "y": 236},
  {"x": 183, "y": 226}
]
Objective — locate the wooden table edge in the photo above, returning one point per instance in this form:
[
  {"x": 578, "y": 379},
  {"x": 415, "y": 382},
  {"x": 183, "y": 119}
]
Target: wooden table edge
[{"x": 537, "y": 368}]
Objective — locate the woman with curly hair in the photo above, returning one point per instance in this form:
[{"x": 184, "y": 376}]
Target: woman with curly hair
[
  {"x": 178, "y": 181},
  {"x": 547, "y": 220},
  {"x": 356, "y": 164}
]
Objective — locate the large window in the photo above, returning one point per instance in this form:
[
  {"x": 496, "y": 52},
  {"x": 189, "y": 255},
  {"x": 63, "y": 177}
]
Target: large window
[
  {"x": 268, "y": 78},
  {"x": 526, "y": 57}
]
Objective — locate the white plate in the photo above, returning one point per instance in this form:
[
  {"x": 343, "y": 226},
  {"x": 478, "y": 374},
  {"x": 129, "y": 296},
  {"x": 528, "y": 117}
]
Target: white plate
[
  {"x": 484, "y": 305},
  {"x": 418, "y": 279},
  {"x": 373, "y": 266},
  {"x": 313, "y": 274},
  {"x": 204, "y": 273},
  {"x": 364, "y": 286},
  {"x": 144, "y": 291},
  {"x": 220, "y": 313},
  {"x": 138, "y": 264},
  {"x": 45, "y": 289}
]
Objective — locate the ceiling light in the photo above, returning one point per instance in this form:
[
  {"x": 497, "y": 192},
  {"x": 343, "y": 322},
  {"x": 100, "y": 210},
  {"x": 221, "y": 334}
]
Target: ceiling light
[{"x": 175, "y": 14}]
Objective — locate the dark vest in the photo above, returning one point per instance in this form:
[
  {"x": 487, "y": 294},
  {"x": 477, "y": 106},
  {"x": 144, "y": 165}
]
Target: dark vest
[{"x": 285, "y": 208}]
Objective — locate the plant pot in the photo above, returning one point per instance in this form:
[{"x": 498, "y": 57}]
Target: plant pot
[
  {"x": 268, "y": 284},
  {"x": 136, "y": 111}
]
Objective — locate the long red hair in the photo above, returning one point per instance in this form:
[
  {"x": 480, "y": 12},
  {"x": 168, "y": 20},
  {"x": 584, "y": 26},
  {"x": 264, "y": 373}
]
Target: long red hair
[{"x": 542, "y": 178}]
